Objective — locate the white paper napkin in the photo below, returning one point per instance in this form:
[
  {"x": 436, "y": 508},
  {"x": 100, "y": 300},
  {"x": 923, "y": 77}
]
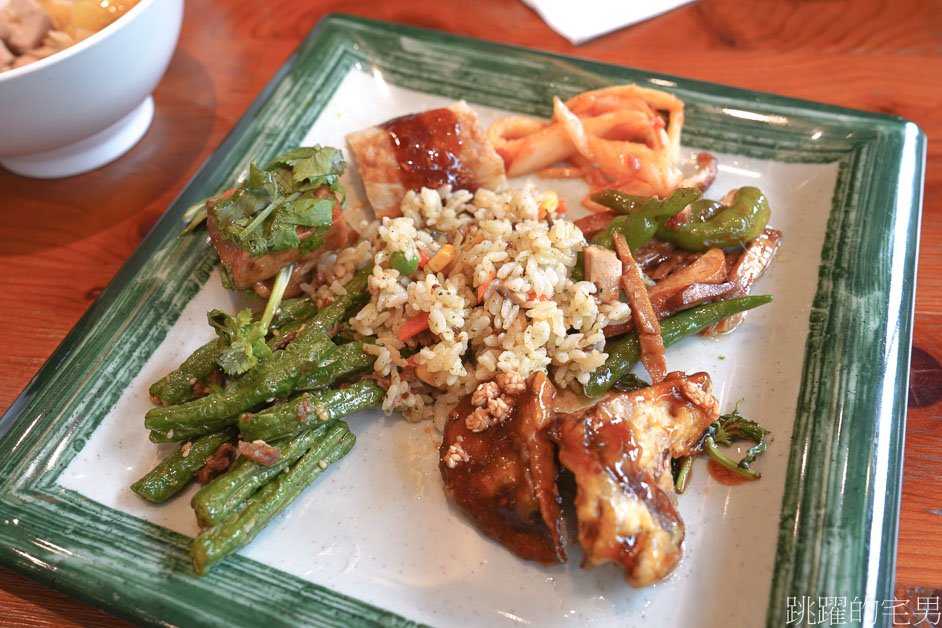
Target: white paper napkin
[{"x": 582, "y": 20}]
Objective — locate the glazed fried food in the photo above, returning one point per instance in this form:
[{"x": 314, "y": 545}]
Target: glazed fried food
[
  {"x": 620, "y": 451},
  {"x": 257, "y": 273},
  {"x": 429, "y": 149},
  {"x": 279, "y": 216},
  {"x": 497, "y": 464}
]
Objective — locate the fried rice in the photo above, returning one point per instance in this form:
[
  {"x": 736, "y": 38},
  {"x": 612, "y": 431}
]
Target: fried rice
[{"x": 532, "y": 316}]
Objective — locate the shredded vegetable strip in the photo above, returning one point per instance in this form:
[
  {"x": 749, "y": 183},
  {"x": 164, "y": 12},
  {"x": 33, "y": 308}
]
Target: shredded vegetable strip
[
  {"x": 624, "y": 137},
  {"x": 649, "y": 330}
]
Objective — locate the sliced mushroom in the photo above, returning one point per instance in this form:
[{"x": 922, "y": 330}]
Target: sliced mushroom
[
  {"x": 695, "y": 294},
  {"x": 708, "y": 268},
  {"x": 750, "y": 265}
]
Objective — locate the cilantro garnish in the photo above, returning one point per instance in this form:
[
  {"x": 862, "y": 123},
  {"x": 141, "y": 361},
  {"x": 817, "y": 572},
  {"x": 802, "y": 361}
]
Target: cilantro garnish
[
  {"x": 269, "y": 208},
  {"x": 243, "y": 340}
]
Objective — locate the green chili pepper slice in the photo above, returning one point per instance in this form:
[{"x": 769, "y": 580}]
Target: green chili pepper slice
[
  {"x": 405, "y": 265},
  {"x": 578, "y": 271},
  {"x": 713, "y": 225},
  {"x": 639, "y": 219}
]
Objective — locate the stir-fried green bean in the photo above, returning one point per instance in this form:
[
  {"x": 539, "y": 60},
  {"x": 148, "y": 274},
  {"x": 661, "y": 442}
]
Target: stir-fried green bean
[
  {"x": 292, "y": 311},
  {"x": 177, "y": 469},
  {"x": 241, "y": 526},
  {"x": 357, "y": 293},
  {"x": 276, "y": 377},
  {"x": 624, "y": 352},
  {"x": 298, "y": 413},
  {"x": 177, "y": 386},
  {"x": 228, "y": 491},
  {"x": 347, "y": 360}
]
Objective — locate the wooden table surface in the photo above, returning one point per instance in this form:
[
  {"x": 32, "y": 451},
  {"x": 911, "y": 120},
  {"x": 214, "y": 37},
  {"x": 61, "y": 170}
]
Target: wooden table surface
[{"x": 62, "y": 241}]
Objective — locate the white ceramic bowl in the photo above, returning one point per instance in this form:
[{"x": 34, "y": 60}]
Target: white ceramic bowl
[{"x": 90, "y": 103}]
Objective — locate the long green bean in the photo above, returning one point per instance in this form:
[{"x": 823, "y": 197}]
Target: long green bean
[
  {"x": 228, "y": 491},
  {"x": 239, "y": 528},
  {"x": 295, "y": 415},
  {"x": 625, "y": 352},
  {"x": 293, "y": 310},
  {"x": 276, "y": 377},
  {"x": 177, "y": 469},
  {"x": 357, "y": 293},
  {"x": 177, "y": 386},
  {"x": 348, "y": 359}
]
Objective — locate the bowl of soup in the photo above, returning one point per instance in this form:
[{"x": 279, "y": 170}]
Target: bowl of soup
[{"x": 77, "y": 92}]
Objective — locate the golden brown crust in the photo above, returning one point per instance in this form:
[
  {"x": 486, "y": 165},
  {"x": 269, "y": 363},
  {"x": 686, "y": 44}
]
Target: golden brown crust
[
  {"x": 258, "y": 272},
  {"x": 619, "y": 451}
]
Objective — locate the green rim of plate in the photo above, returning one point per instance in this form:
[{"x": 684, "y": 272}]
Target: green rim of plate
[{"x": 839, "y": 517}]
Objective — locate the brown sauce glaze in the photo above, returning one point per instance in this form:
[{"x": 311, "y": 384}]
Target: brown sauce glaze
[
  {"x": 427, "y": 147},
  {"x": 570, "y": 402},
  {"x": 609, "y": 446},
  {"x": 507, "y": 483},
  {"x": 619, "y": 452},
  {"x": 725, "y": 476}
]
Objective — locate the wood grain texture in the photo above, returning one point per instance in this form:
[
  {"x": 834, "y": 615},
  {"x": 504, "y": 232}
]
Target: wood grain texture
[{"x": 62, "y": 241}]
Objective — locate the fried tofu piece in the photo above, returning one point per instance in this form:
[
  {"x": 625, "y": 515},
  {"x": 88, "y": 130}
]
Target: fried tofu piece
[
  {"x": 619, "y": 451},
  {"x": 429, "y": 149},
  {"x": 498, "y": 465},
  {"x": 252, "y": 271}
]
